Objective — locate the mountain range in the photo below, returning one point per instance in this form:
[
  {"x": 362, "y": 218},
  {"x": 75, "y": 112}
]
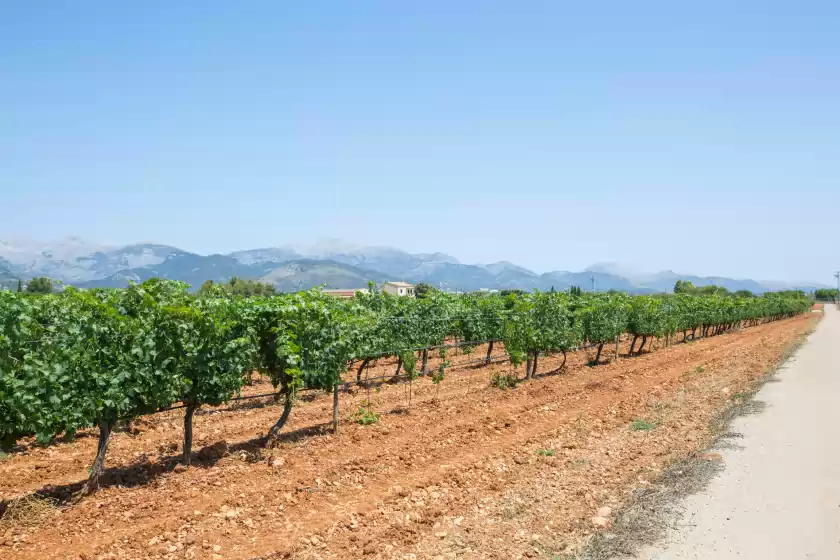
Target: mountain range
[{"x": 74, "y": 261}]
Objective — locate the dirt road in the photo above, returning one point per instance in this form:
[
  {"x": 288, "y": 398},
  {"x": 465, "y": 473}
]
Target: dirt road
[{"x": 779, "y": 495}]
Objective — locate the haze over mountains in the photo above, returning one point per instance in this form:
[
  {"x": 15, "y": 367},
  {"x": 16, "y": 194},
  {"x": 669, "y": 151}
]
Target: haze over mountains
[{"x": 331, "y": 264}]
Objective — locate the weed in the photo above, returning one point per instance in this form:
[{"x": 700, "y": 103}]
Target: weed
[
  {"x": 642, "y": 425},
  {"x": 699, "y": 369},
  {"x": 659, "y": 406},
  {"x": 365, "y": 416},
  {"x": 502, "y": 381},
  {"x": 545, "y": 452}
]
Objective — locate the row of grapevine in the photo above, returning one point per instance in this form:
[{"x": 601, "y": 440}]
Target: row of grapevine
[{"x": 90, "y": 358}]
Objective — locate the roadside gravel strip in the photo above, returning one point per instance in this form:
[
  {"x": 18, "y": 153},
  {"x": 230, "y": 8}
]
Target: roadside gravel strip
[{"x": 779, "y": 494}]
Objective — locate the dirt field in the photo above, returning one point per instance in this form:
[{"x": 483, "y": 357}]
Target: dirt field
[{"x": 469, "y": 471}]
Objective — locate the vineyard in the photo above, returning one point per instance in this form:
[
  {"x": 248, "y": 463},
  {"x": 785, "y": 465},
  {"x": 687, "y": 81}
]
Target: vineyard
[{"x": 83, "y": 359}]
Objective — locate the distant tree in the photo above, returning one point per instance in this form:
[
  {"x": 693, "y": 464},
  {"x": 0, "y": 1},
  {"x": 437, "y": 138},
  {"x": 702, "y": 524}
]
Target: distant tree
[
  {"x": 575, "y": 291},
  {"x": 826, "y": 294},
  {"x": 709, "y": 290},
  {"x": 248, "y": 288},
  {"x": 20, "y": 286},
  {"x": 241, "y": 287},
  {"x": 39, "y": 285},
  {"x": 684, "y": 287},
  {"x": 423, "y": 289},
  {"x": 743, "y": 293},
  {"x": 514, "y": 292},
  {"x": 687, "y": 287}
]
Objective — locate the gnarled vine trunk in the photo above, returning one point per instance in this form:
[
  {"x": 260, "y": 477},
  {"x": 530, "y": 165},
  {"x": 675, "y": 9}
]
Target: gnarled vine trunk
[
  {"x": 425, "y": 361},
  {"x": 642, "y": 345},
  {"x": 598, "y": 354},
  {"x": 98, "y": 467},
  {"x": 362, "y": 367},
  {"x": 489, "y": 352},
  {"x": 557, "y": 370},
  {"x": 397, "y": 373},
  {"x": 188, "y": 434},
  {"x": 278, "y": 426},
  {"x": 534, "y": 364}
]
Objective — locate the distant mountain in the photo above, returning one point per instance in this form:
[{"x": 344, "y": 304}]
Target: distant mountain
[
  {"x": 187, "y": 267},
  {"x": 664, "y": 281},
  {"x": 452, "y": 276},
  {"x": 303, "y": 274},
  {"x": 58, "y": 260},
  {"x": 104, "y": 263},
  {"x": 8, "y": 280},
  {"x": 399, "y": 265},
  {"x": 328, "y": 263},
  {"x": 269, "y": 254},
  {"x": 603, "y": 282}
]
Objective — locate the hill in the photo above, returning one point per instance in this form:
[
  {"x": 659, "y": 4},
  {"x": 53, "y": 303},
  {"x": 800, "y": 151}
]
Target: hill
[{"x": 327, "y": 262}]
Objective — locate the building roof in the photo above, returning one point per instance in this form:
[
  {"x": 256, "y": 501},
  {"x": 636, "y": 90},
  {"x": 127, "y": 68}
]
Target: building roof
[
  {"x": 345, "y": 293},
  {"x": 401, "y": 284},
  {"x": 345, "y": 290}
]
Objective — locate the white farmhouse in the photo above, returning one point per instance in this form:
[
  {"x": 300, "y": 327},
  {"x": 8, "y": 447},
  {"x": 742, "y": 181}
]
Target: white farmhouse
[{"x": 398, "y": 288}]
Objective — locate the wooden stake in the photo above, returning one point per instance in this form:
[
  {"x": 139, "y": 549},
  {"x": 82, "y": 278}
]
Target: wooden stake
[{"x": 335, "y": 408}]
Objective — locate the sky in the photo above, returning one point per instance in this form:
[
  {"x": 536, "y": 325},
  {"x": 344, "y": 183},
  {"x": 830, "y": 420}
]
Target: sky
[{"x": 700, "y": 137}]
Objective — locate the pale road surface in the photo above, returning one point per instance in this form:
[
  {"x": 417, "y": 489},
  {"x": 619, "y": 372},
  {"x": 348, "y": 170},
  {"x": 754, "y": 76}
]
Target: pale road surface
[{"x": 779, "y": 495}]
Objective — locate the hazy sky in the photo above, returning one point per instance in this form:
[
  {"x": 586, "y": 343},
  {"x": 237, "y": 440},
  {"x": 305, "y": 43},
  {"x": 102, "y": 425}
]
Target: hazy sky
[{"x": 702, "y": 138}]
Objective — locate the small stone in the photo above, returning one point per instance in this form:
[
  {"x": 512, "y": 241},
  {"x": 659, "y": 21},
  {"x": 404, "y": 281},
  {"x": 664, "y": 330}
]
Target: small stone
[
  {"x": 217, "y": 548},
  {"x": 179, "y": 468},
  {"x": 278, "y": 462},
  {"x": 601, "y": 522},
  {"x": 458, "y": 521},
  {"x": 153, "y": 541},
  {"x": 440, "y": 534},
  {"x": 604, "y": 511},
  {"x": 172, "y": 548},
  {"x": 189, "y": 540},
  {"x": 712, "y": 457}
]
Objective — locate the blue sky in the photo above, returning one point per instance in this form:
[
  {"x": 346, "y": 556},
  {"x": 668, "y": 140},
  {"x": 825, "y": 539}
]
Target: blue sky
[{"x": 699, "y": 138}]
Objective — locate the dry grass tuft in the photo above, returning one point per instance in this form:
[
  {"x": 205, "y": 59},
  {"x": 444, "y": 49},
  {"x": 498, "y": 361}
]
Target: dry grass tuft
[
  {"x": 26, "y": 512},
  {"x": 649, "y": 512}
]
